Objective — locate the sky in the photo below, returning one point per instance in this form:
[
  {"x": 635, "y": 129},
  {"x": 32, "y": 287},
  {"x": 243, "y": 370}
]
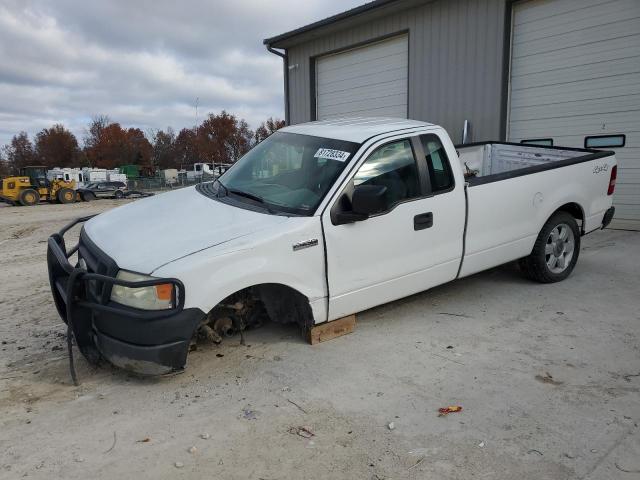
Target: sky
[{"x": 143, "y": 63}]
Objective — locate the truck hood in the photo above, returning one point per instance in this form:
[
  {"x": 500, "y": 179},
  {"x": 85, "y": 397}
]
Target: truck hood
[{"x": 146, "y": 234}]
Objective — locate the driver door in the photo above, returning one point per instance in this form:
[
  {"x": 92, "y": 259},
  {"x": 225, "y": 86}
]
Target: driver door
[{"x": 413, "y": 245}]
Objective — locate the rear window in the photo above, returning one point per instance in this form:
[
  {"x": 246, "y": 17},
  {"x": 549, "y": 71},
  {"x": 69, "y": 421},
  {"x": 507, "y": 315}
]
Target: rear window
[
  {"x": 440, "y": 174},
  {"x": 604, "y": 141}
]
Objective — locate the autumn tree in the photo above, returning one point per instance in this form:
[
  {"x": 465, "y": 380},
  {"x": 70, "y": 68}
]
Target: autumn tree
[
  {"x": 164, "y": 154},
  {"x": 110, "y": 146},
  {"x": 138, "y": 149},
  {"x": 106, "y": 145},
  {"x": 266, "y": 128},
  {"x": 223, "y": 138},
  {"x": 20, "y": 151},
  {"x": 186, "y": 148},
  {"x": 93, "y": 134},
  {"x": 240, "y": 141},
  {"x": 56, "y": 147}
]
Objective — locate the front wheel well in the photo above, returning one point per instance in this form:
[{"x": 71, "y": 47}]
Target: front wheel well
[
  {"x": 575, "y": 211},
  {"x": 280, "y": 303}
]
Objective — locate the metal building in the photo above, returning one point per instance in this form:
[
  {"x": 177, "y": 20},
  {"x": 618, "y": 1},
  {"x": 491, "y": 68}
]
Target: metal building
[{"x": 565, "y": 72}]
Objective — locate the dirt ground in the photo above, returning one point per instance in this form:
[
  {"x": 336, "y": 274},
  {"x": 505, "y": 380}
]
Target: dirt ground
[{"x": 548, "y": 377}]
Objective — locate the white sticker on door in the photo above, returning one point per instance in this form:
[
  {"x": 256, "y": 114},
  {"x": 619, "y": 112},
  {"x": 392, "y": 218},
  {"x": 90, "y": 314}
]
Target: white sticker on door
[{"x": 331, "y": 154}]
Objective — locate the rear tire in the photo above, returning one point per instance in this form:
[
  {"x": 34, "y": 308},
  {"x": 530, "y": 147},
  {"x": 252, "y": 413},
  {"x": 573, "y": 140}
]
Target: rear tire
[
  {"x": 556, "y": 250},
  {"x": 87, "y": 196},
  {"x": 29, "y": 197},
  {"x": 66, "y": 195},
  {"x": 118, "y": 195}
]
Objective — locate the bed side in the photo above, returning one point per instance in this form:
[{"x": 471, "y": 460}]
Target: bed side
[{"x": 508, "y": 209}]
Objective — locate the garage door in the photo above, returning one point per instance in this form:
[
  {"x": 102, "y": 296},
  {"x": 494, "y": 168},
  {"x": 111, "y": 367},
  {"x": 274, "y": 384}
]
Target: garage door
[
  {"x": 575, "y": 72},
  {"x": 366, "y": 81}
]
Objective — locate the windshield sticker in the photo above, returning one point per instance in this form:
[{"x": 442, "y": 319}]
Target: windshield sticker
[{"x": 331, "y": 154}]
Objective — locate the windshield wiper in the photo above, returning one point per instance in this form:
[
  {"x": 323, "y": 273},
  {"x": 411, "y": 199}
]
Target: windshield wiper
[
  {"x": 246, "y": 195},
  {"x": 250, "y": 196}
]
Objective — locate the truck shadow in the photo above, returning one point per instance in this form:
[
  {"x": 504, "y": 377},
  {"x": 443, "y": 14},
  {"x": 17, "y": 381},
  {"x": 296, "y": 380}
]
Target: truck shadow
[{"x": 262, "y": 342}]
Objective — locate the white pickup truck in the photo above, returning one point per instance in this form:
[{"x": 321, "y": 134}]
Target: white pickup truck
[{"x": 319, "y": 221}]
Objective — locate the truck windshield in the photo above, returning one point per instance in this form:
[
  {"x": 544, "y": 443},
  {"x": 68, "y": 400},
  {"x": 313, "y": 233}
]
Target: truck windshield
[{"x": 287, "y": 172}]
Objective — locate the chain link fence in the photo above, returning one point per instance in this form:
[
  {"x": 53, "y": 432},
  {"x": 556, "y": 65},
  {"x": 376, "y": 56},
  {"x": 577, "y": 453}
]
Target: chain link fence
[{"x": 159, "y": 183}]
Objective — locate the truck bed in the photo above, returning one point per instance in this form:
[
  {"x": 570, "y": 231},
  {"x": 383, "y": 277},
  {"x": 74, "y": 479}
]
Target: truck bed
[
  {"x": 514, "y": 188},
  {"x": 492, "y": 161}
]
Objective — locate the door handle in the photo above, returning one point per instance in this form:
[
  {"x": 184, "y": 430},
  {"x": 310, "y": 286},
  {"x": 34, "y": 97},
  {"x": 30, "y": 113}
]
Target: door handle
[{"x": 422, "y": 221}]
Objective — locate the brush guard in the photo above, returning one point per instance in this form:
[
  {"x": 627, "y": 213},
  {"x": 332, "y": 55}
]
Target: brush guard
[{"x": 77, "y": 307}]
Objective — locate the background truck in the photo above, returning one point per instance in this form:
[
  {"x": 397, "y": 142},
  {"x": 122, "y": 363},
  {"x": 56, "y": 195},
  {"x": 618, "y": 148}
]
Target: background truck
[{"x": 317, "y": 222}]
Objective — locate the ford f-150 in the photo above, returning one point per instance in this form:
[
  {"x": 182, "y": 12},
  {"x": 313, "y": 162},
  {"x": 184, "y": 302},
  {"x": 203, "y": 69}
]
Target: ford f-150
[{"x": 319, "y": 221}]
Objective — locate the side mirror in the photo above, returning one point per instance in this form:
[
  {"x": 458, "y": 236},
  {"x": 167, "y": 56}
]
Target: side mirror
[{"x": 366, "y": 200}]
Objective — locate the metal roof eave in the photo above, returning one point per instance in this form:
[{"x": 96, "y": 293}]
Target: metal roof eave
[{"x": 367, "y": 7}]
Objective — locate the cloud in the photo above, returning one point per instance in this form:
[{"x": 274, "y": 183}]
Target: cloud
[{"x": 143, "y": 63}]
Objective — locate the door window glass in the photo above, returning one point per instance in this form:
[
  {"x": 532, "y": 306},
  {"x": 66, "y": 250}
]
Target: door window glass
[
  {"x": 440, "y": 174},
  {"x": 392, "y": 166}
]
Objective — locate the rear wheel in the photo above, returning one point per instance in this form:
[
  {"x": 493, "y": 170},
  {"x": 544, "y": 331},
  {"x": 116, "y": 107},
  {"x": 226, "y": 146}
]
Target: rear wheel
[
  {"x": 66, "y": 195},
  {"x": 119, "y": 194},
  {"x": 88, "y": 196},
  {"x": 29, "y": 197},
  {"x": 556, "y": 250}
]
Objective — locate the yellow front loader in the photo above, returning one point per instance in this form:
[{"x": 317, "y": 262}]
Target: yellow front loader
[{"x": 32, "y": 186}]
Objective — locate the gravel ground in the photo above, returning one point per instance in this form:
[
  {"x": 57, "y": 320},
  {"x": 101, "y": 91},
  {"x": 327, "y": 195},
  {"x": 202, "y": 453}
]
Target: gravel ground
[{"x": 548, "y": 377}]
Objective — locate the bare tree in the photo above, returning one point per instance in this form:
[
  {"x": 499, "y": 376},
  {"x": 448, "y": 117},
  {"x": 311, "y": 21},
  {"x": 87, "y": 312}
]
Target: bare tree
[
  {"x": 93, "y": 133},
  {"x": 266, "y": 128}
]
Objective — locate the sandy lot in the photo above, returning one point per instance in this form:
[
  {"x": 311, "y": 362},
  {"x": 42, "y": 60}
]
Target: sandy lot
[{"x": 548, "y": 378}]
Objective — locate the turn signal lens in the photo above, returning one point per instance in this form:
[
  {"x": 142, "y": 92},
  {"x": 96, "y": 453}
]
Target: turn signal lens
[{"x": 164, "y": 291}]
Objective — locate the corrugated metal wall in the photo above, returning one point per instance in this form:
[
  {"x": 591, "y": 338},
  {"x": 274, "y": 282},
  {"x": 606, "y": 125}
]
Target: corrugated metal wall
[
  {"x": 455, "y": 63},
  {"x": 575, "y": 71}
]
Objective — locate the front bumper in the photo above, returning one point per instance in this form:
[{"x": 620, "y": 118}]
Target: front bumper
[{"x": 142, "y": 341}]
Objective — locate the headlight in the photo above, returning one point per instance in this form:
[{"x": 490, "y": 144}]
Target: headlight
[{"x": 156, "y": 297}]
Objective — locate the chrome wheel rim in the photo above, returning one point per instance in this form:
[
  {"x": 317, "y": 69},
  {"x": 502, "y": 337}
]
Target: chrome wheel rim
[{"x": 559, "y": 248}]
